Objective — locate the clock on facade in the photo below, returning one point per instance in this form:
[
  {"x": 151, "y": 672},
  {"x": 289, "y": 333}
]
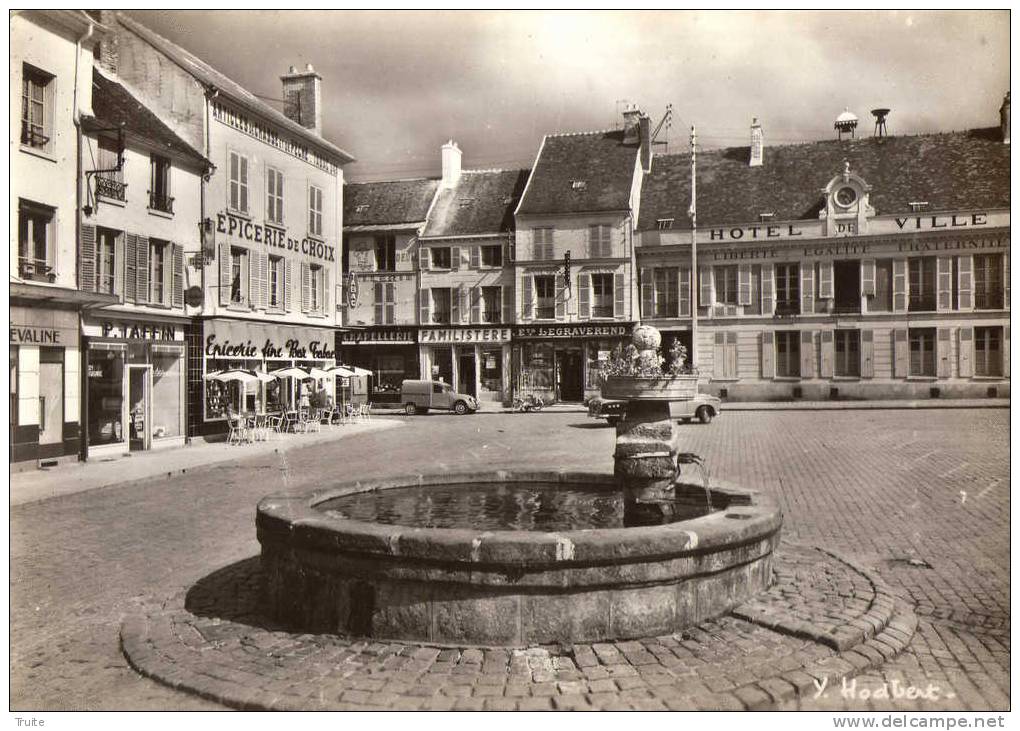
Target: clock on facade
[{"x": 846, "y": 196}]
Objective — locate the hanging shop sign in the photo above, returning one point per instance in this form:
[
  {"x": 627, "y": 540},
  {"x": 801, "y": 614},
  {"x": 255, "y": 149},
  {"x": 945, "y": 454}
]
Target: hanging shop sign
[
  {"x": 465, "y": 335},
  {"x": 241, "y": 228},
  {"x": 543, "y": 332},
  {"x": 233, "y": 339},
  {"x": 392, "y": 336}
]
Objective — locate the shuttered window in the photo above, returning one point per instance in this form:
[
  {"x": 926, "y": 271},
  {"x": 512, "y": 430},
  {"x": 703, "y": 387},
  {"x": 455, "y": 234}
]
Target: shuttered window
[
  {"x": 787, "y": 289},
  {"x": 158, "y": 254},
  {"x": 666, "y": 290},
  {"x": 602, "y": 295},
  {"x": 988, "y": 351},
  {"x": 36, "y": 108},
  {"x": 543, "y": 243},
  {"x": 922, "y": 277},
  {"x": 922, "y": 351},
  {"x": 106, "y": 260},
  {"x": 545, "y": 297},
  {"x": 599, "y": 241},
  {"x": 276, "y": 281},
  {"x": 274, "y": 196},
  {"x": 314, "y": 210},
  {"x": 492, "y": 303},
  {"x": 988, "y": 280},
  {"x": 237, "y": 185},
  {"x": 787, "y": 354},
  {"x": 441, "y": 305},
  {"x": 238, "y": 276},
  {"x": 726, "y": 290},
  {"x": 848, "y": 353}
]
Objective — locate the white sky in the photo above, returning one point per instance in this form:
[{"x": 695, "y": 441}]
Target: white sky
[{"x": 397, "y": 84}]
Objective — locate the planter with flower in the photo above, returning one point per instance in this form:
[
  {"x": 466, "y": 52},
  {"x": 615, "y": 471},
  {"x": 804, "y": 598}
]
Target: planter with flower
[{"x": 638, "y": 372}]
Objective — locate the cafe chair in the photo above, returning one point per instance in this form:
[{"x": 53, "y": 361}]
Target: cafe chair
[{"x": 238, "y": 429}]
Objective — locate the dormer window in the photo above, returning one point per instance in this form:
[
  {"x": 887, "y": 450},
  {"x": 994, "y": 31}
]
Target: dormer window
[
  {"x": 361, "y": 208},
  {"x": 664, "y": 224},
  {"x": 579, "y": 185},
  {"x": 766, "y": 216},
  {"x": 918, "y": 206},
  {"x": 465, "y": 202}
]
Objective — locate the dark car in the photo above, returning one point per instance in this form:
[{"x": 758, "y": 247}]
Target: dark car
[{"x": 703, "y": 407}]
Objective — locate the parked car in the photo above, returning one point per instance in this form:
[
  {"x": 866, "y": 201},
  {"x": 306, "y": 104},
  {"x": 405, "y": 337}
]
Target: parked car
[
  {"x": 420, "y": 396},
  {"x": 703, "y": 407}
]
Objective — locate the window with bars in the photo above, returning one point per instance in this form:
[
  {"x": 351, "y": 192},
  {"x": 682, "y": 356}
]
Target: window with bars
[
  {"x": 847, "y": 349},
  {"x": 492, "y": 302},
  {"x": 545, "y": 297},
  {"x": 314, "y": 210},
  {"x": 35, "y": 248},
  {"x": 922, "y": 272},
  {"x": 277, "y": 273},
  {"x": 106, "y": 260},
  {"x": 988, "y": 351},
  {"x": 726, "y": 285},
  {"x": 788, "y": 354},
  {"x": 922, "y": 351},
  {"x": 36, "y": 108},
  {"x": 274, "y": 196},
  {"x": 237, "y": 185},
  {"x": 159, "y": 184},
  {"x": 665, "y": 282},
  {"x": 787, "y": 289},
  {"x": 988, "y": 282},
  {"x": 602, "y": 295},
  {"x": 543, "y": 238}
]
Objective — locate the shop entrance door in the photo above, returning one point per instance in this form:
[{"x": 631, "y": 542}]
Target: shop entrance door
[
  {"x": 569, "y": 376},
  {"x": 51, "y": 396},
  {"x": 466, "y": 374},
  {"x": 442, "y": 365},
  {"x": 138, "y": 407}
]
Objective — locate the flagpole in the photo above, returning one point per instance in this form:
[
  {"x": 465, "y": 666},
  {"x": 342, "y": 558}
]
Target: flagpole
[{"x": 693, "y": 212}]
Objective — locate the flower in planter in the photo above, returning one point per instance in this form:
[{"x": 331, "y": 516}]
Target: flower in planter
[{"x": 629, "y": 361}]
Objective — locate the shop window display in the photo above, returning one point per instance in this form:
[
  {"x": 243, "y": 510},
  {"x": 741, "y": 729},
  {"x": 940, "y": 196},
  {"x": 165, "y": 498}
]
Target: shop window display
[
  {"x": 167, "y": 372},
  {"x": 539, "y": 366},
  {"x": 492, "y": 370},
  {"x": 106, "y": 396}
]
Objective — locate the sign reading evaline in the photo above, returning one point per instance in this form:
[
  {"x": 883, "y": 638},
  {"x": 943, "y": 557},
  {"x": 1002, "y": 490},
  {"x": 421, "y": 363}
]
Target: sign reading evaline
[
  {"x": 465, "y": 335},
  {"x": 242, "y": 228},
  {"x": 230, "y": 339}
]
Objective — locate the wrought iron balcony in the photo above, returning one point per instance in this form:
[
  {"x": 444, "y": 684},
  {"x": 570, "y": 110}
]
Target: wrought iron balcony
[
  {"x": 164, "y": 203},
  {"x": 110, "y": 188},
  {"x": 35, "y": 270},
  {"x": 846, "y": 308},
  {"x": 489, "y": 316},
  {"x": 786, "y": 309}
]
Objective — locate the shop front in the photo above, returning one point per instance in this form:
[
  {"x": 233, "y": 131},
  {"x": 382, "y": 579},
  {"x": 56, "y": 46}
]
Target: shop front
[
  {"x": 217, "y": 345},
  {"x": 391, "y": 353},
  {"x": 135, "y": 392},
  {"x": 44, "y": 386},
  {"x": 474, "y": 360},
  {"x": 562, "y": 362}
]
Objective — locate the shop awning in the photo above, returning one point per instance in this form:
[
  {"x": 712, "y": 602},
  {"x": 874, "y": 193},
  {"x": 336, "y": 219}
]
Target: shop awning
[{"x": 23, "y": 293}]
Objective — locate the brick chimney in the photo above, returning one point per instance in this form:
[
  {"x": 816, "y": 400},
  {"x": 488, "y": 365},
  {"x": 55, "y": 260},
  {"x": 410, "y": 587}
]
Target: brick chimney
[
  {"x": 757, "y": 145},
  {"x": 109, "y": 51},
  {"x": 451, "y": 165},
  {"x": 631, "y": 125},
  {"x": 1004, "y": 118},
  {"x": 645, "y": 126},
  {"x": 302, "y": 94}
]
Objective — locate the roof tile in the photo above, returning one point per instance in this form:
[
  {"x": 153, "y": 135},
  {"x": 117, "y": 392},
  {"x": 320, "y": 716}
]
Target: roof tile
[
  {"x": 482, "y": 202},
  {"x": 388, "y": 202}
]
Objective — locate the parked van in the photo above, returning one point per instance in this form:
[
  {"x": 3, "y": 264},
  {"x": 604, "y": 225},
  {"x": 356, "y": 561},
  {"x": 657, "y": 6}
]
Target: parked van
[{"x": 420, "y": 396}]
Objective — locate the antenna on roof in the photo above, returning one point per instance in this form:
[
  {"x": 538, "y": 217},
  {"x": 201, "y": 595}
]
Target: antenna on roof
[{"x": 667, "y": 119}]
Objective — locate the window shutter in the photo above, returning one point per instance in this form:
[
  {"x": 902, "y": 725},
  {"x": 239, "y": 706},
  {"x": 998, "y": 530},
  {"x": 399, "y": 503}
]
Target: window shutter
[
  {"x": 768, "y": 297},
  {"x": 942, "y": 351},
  {"x": 264, "y": 277},
  {"x": 508, "y": 304},
  {"x": 593, "y": 242},
  {"x": 899, "y": 285},
  {"x": 647, "y": 292},
  {"x": 901, "y": 353},
  {"x": 476, "y": 257},
  {"x": 807, "y": 354},
  {"x": 719, "y": 356},
  {"x": 288, "y": 279},
  {"x": 768, "y": 355},
  {"x": 325, "y": 283},
  {"x": 825, "y": 280},
  {"x": 306, "y": 287},
  {"x": 142, "y": 269},
  {"x": 561, "y": 303},
  {"x": 390, "y": 300},
  {"x": 867, "y": 354},
  {"x": 584, "y": 296},
  {"x": 868, "y": 277},
  {"x": 244, "y": 185},
  {"x": 619, "y": 296},
  {"x": 425, "y": 305},
  {"x": 455, "y": 258},
  {"x": 705, "y": 287},
  {"x": 380, "y": 303},
  {"x": 177, "y": 282},
  {"x": 528, "y": 297},
  {"x": 1005, "y": 281},
  {"x": 456, "y": 309},
  {"x": 424, "y": 258},
  {"x": 224, "y": 283},
  {"x": 807, "y": 290},
  {"x": 130, "y": 275},
  {"x": 966, "y": 283},
  {"x": 944, "y": 279},
  {"x": 87, "y": 256},
  {"x": 1005, "y": 352},
  {"x": 476, "y": 300},
  {"x": 827, "y": 353},
  {"x": 965, "y": 352},
  {"x": 730, "y": 367},
  {"x": 744, "y": 284},
  {"x": 684, "y": 284}
]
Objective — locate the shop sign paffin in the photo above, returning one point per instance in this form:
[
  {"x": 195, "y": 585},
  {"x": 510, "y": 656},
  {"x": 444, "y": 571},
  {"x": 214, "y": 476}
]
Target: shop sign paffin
[{"x": 228, "y": 223}]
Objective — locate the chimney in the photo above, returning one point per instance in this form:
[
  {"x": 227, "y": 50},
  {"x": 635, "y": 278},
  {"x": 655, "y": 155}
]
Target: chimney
[
  {"x": 645, "y": 126},
  {"x": 451, "y": 165},
  {"x": 631, "y": 125},
  {"x": 1004, "y": 118},
  {"x": 757, "y": 145},
  {"x": 302, "y": 95}
]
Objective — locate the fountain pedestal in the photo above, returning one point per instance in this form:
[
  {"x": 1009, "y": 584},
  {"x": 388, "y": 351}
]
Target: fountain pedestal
[{"x": 645, "y": 462}]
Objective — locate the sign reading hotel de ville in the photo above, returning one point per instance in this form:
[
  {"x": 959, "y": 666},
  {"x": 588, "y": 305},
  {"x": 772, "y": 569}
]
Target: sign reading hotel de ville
[
  {"x": 465, "y": 335},
  {"x": 240, "y": 227}
]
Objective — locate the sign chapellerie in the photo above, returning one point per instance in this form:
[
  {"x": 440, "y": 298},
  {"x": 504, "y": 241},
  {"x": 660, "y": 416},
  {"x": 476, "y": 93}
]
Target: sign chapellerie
[
  {"x": 228, "y": 223},
  {"x": 254, "y": 341}
]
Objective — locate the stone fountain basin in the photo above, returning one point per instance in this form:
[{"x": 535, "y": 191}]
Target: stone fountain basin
[{"x": 324, "y": 573}]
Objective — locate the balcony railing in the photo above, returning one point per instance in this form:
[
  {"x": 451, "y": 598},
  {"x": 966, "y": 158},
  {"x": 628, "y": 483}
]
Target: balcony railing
[
  {"x": 921, "y": 303},
  {"x": 785, "y": 309},
  {"x": 441, "y": 318},
  {"x": 164, "y": 203},
  {"x": 36, "y": 270},
  {"x": 846, "y": 308},
  {"x": 489, "y": 316},
  {"x": 545, "y": 313},
  {"x": 110, "y": 188},
  {"x": 602, "y": 311},
  {"x": 32, "y": 137}
]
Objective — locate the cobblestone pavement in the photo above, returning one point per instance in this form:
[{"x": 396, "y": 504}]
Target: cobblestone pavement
[{"x": 919, "y": 497}]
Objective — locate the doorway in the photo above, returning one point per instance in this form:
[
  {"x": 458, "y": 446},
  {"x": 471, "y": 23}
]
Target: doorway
[
  {"x": 568, "y": 375},
  {"x": 51, "y": 397},
  {"x": 466, "y": 374},
  {"x": 138, "y": 407}
]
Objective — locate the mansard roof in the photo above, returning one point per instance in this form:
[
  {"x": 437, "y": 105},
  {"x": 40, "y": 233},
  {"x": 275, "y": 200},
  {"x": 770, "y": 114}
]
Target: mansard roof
[{"x": 482, "y": 202}]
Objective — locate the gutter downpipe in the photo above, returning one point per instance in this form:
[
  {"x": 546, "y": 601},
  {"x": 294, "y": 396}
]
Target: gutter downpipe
[{"x": 83, "y": 440}]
